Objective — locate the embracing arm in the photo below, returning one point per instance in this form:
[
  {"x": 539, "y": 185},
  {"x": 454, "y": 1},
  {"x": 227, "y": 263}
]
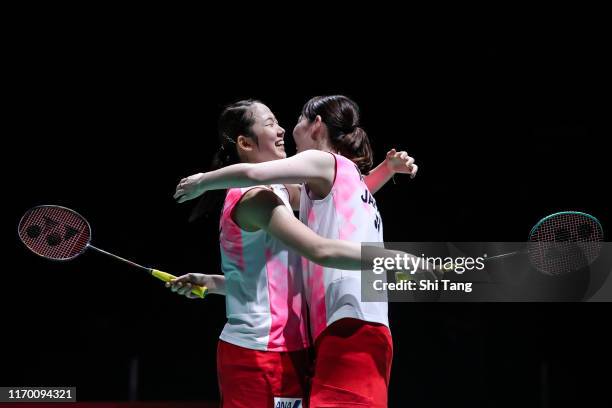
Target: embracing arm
[
  {"x": 308, "y": 166},
  {"x": 260, "y": 208},
  {"x": 395, "y": 162}
]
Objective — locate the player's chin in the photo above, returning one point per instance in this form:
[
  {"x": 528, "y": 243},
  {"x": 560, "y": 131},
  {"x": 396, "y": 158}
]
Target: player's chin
[{"x": 280, "y": 153}]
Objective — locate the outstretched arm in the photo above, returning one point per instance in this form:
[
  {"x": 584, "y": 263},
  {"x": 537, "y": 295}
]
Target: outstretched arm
[
  {"x": 260, "y": 208},
  {"x": 395, "y": 162},
  {"x": 308, "y": 166}
]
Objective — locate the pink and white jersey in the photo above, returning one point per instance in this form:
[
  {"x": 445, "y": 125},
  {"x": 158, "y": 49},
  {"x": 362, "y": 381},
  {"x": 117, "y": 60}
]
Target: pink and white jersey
[
  {"x": 264, "y": 302},
  {"x": 349, "y": 213}
]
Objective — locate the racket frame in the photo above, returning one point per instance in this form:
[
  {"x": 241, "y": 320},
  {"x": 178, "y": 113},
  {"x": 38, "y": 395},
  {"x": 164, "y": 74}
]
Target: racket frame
[
  {"x": 154, "y": 272},
  {"x": 87, "y": 245}
]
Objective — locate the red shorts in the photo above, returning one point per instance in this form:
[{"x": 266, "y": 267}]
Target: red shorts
[
  {"x": 261, "y": 379},
  {"x": 352, "y": 365}
]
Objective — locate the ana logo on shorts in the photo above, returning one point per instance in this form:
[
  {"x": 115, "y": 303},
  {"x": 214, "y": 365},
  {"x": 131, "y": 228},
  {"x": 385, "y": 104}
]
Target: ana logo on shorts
[{"x": 287, "y": 402}]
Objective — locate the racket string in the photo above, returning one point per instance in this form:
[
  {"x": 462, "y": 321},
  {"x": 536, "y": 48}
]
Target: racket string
[
  {"x": 565, "y": 242},
  {"x": 54, "y": 232}
]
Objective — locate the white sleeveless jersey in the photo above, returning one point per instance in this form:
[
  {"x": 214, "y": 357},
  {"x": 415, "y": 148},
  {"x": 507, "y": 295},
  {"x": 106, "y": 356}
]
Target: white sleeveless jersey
[
  {"x": 349, "y": 213},
  {"x": 264, "y": 298}
]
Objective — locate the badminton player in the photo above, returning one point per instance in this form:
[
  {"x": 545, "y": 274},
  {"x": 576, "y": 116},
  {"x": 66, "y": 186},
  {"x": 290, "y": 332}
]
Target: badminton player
[
  {"x": 264, "y": 345},
  {"x": 353, "y": 345}
]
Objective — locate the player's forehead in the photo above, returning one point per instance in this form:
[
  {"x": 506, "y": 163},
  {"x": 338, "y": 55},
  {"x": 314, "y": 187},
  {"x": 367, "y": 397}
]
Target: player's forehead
[{"x": 262, "y": 113}]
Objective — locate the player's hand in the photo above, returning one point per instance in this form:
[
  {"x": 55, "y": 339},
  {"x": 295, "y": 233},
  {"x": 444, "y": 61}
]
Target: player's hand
[
  {"x": 400, "y": 162},
  {"x": 189, "y": 188},
  {"x": 185, "y": 283}
]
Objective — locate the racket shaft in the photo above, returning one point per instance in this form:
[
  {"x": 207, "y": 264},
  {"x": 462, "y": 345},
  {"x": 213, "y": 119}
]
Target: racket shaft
[
  {"x": 504, "y": 255},
  {"x": 118, "y": 258},
  {"x": 199, "y": 291}
]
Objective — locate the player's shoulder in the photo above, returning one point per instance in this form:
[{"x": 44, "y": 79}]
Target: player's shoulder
[
  {"x": 316, "y": 156},
  {"x": 258, "y": 197},
  {"x": 256, "y": 206}
]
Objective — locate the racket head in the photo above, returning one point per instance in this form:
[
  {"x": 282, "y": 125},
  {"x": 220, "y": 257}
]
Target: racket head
[
  {"x": 565, "y": 242},
  {"x": 54, "y": 232}
]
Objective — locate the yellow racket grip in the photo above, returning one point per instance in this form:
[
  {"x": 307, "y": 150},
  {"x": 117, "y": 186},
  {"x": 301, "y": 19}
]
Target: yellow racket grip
[
  {"x": 403, "y": 276},
  {"x": 446, "y": 269},
  {"x": 199, "y": 291}
]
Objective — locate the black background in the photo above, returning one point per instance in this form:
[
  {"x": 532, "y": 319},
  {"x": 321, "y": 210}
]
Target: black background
[{"x": 504, "y": 130}]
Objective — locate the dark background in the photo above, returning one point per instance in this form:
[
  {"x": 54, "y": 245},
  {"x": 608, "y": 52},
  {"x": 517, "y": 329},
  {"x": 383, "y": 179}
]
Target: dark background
[{"x": 505, "y": 131}]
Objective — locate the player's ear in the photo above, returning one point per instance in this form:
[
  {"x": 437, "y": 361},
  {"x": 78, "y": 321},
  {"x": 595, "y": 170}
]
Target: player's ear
[
  {"x": 316, "y": 127},
  {"x": 245, "y": 144}
]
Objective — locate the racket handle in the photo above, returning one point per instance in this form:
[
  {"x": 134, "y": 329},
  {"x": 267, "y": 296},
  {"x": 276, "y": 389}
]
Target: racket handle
[
  {"x": 199, "y": 291},
  {"x": 403, "y": 276}
]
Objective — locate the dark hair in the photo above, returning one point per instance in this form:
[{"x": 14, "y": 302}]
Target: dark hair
[
  {"x": 235, "y": 120},
  {"x": 341, "y": 116}
]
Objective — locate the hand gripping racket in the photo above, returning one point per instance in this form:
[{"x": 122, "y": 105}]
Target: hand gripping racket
[{"x": 61, "y": 234}]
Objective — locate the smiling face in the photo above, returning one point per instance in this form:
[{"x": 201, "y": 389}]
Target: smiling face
[{"x": 270, "y": 144}]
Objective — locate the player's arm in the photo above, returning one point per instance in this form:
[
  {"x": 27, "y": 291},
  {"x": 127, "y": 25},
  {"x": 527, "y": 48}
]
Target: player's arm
[
  {"x": 262, "y": 209},
  {"x": 395, "y": 162},
  {"x": 311, "y": 166}
]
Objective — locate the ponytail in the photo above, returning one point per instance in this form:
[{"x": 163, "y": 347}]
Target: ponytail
[
  {"x": 341, "y": 116},
  {"x": 356, "y": 147}
]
